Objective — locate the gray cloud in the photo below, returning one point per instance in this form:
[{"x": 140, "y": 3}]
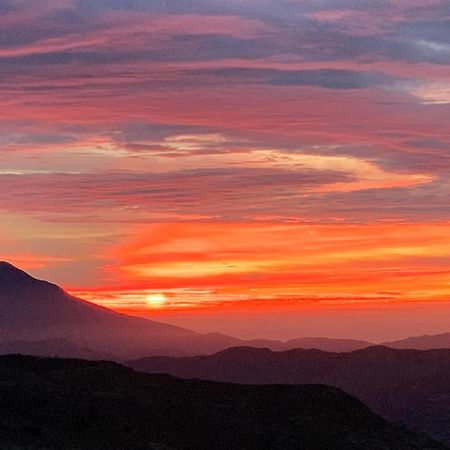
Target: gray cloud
[
  {"x": 326, "y": 78},
  {"x": 216, "y": 193}
]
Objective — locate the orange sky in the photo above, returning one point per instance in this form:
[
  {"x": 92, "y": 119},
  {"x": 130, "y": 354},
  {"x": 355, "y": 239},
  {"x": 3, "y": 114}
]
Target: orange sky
[
  {"x": 207, "y": 274},
  {"x": 234, "y": 261}
]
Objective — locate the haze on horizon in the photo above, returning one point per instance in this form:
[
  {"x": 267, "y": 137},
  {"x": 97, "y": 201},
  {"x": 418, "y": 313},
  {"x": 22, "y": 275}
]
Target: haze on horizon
[{"x": 262, "y": 169}]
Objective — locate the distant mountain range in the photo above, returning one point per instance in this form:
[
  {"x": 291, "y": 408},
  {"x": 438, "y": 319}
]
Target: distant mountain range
[
  {"x": 425, "y": 342},
  {"x": 407, "y": 386},
  {"x": 40, "y": 318},
  {"x": 72, "y": 404}
]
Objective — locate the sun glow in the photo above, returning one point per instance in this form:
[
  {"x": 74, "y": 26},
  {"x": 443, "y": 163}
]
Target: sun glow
[{"x": 155, "y": 300}]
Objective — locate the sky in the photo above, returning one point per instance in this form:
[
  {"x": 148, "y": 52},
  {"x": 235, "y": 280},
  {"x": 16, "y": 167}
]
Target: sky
[{"x": 254, "y": 167}]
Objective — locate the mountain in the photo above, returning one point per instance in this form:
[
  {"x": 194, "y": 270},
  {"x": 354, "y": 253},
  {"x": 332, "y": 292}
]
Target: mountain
[
  {"x": 74, "y": 404},
  {"x": 35, "y": 310},
  {"x": 426, "y": 342},
  {"x": 408, "y": 386}
]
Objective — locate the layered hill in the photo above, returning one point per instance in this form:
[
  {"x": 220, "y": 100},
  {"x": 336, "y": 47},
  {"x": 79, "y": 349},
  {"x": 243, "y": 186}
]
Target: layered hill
[
  {"x": 408, "y": 386},
  {"x": 425, "y": 342},
  {"x": 73, "y": 404}
]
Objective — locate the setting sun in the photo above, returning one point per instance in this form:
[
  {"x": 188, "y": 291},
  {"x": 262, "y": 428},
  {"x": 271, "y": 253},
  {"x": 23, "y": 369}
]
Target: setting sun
[{"x": 155, "y": 300}]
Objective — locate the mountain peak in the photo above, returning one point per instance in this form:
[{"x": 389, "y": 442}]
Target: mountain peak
[
  {"x": 6, "y": 264},
  {"x": 36, "y": 310},
  {"x": 10, "y": 273}
]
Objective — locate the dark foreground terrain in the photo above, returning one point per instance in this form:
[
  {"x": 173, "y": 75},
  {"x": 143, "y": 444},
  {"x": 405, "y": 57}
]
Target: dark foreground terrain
[
  {"x": 407, "y": 386},
  {"x": 75, "y": 404}
]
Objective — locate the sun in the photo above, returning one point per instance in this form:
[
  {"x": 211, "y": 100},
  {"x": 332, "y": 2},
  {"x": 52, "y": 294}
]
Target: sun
[{"x": 155, "y": 300}]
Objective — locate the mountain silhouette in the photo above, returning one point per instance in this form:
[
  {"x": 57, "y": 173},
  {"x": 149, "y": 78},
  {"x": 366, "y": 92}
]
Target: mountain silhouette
[
  {"x": 73, "y": 404},
  {"x": 35, "y": 310},
  {"x": 407, "y": 386}
]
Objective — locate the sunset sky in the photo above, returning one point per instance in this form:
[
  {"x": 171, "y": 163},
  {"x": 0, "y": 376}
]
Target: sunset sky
[{"x": 273, "y": 168}]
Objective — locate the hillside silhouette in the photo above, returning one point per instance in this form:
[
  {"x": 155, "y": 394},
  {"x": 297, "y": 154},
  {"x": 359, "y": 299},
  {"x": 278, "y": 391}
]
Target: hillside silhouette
[
  {"x": 408, "y": 386},
  {"x": 35, "y": 310},
  {"x": 74, "y": 404}
]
